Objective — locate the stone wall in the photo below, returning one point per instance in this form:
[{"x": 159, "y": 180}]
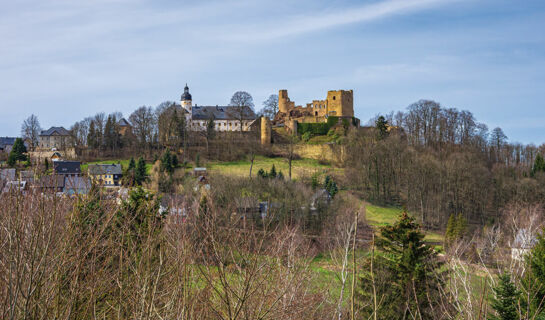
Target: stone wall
[
  {"x": 333, "y": 153},
  {"x": 67, "y": 154}
]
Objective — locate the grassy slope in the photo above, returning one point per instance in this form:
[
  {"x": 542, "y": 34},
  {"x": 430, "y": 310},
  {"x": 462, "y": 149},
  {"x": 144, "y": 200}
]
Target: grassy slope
[
  {"x": 242, "y": 168},
  {"x": 381, "y": 216},
  {"x": 124, "y": 164}
]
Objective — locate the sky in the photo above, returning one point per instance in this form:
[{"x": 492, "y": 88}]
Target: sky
[{"x": 64, "y": 60}]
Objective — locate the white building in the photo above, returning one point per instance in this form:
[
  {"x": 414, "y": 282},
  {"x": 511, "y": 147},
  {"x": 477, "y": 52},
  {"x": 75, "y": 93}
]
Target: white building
[{"x": 226, "y": 118}]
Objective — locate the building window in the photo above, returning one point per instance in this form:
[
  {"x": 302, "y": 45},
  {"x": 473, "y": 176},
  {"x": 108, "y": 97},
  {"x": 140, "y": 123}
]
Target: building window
[{"x": 333, "y": 97}]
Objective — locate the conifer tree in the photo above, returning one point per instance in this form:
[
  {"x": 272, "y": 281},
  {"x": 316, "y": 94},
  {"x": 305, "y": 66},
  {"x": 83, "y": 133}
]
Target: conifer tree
[
  {"x": 382, "y": 126},
  {"x": 408, "y": 272},
  {"x": 505, "y": 299},
  {"x": 534, "y": 283},
  {"x": 539, "y": 165},
  {"x": 140, "y": 175},
  {"x": 272, "y": 173},
  {"x": 450, "y": 232},
  {"x": 460, "y": 228}
]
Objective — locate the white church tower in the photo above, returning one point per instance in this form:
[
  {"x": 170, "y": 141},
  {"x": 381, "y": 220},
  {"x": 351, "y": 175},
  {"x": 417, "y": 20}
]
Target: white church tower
[{"x": 186, "y": 99}]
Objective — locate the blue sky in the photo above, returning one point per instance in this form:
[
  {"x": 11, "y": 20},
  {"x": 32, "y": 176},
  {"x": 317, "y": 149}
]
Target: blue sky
[{"x": 64, "y": 60}]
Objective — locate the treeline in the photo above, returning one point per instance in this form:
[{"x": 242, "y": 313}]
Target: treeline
[{"x": 440, "y": 161}]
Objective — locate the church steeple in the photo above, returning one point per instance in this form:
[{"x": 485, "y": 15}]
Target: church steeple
[{"x": 186, "y": 99}]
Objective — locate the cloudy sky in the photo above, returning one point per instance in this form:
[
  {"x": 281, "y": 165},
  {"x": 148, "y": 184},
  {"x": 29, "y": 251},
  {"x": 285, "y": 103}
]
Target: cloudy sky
[{"x": 63, "y": 59}]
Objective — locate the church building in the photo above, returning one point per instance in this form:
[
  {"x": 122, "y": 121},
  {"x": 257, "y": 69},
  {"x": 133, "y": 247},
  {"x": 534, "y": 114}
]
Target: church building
[{"x": 226, "y": 118}]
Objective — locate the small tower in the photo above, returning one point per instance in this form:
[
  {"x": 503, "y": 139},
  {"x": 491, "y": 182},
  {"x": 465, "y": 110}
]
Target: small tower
[
  {"x": 186, "y": 99},
  {"x": 265, "y": 131}
]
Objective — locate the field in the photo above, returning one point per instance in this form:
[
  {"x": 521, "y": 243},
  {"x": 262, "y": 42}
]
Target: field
[
  {"x": 300, "y": 168},
  {"x": 381, "y": 216},
  {"x": 124, "y": 164}
]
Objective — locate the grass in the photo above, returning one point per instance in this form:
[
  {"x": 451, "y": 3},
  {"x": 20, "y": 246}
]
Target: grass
[
  {"x": 124, "y": 164},
  {"x": 241, "y": 168},
  {"x": 381, "y": 216}
]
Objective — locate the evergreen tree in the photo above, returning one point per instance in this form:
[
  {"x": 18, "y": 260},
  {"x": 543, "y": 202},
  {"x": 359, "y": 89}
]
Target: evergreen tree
[
  {"x": 330, "y": 186},
  {"x": 46, "y": 164},
  {"x": 12, "y": 160},
  {"x": 92, "y": 140},
  {"x": 382, "y": 126},
  {"x": 450, "y": 232},
  {"x": 539, "y": 165},
  {"x": 19, "y": 149},
  {"x": 407, "y": 274},
  {"x": 505, "y": 299},
  {"x": 140, "y": 175},
  {"x": 132, "y": 164},
  {"x": 167, "y": 163},
  {"x": 534, "y": 283},
  {"x": 261, "y": 173},
  {"x": 280, "y": 175},
  {"x": 460, "y": 228},
  {"x": 272, "y": 173}
]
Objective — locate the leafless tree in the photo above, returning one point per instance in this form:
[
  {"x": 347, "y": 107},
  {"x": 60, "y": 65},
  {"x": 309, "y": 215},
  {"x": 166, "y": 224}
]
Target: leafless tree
[
  {"x": 30, "y": 130},
  {"x": 242, "y": 106},
  {"x": 144, "y": 124},
  {"x": 270, "y": 107}
]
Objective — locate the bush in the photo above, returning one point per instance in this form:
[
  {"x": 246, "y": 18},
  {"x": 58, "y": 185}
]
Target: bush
[{"x": 306, "y": 136}]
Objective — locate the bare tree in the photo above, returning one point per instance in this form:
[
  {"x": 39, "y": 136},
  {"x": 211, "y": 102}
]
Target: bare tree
[
  {"x": 270, "y": 107},
  {"x": 30, "y": 130},
  {"x": 144, "y": 123},
  {"x": 242, "y": 107}
]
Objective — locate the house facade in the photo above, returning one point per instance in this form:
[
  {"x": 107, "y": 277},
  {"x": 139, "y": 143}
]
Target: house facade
[
  {"x": 55, "y": 137},
  {"x": 226, "y": 118},
  {"x": 108, "y": 175}
]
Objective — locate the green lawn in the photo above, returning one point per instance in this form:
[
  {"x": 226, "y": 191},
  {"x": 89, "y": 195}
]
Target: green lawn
[
  {"x": 381, "y": 216},
  {"x": 242, "y": 168},
  {"x": 124, "y": 164}
]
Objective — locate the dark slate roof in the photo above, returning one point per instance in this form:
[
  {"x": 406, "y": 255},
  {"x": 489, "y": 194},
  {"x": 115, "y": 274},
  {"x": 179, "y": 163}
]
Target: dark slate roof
[
  {"x": 67, "y": 167},
  {"x": 186, "y": 96},
  {"x": 61, "y": 131},
  {"x": 123, "y": 123},
  {"x": 100, "y": 169},
  {"x": 221, "y": 113},
  {"x": 7, "y": 141}
]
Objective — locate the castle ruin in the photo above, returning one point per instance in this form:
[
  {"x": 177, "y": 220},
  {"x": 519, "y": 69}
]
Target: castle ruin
[{"x": 338, "y": 103}]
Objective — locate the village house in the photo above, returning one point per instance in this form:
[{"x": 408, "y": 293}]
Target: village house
[
  {"x": 226, "y": 118},
  {"x": 105, "y": 174},
  {"x": 6, "y": 143},
  {"x": 67, "y": 168},
  {"x": 124, "y": 126},
  {"x": 55, "y": 137}
]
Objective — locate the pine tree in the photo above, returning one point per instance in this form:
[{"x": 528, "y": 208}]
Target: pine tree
[
  {"x": 450, "y": 232},
  {"x": 460, "y": 228},
  {"x": 92, "y": 141},
  {"x": 534, "y": 283},
  {"x": 140, "y": 175},
  {"x": 280, "y": 175},
  {"x": 505, "y": 299},
  {"x": 18, "y": 150},
  {"x": 261, "y": 173},
  {"x": 408, "y": 273},
  {"x": 272, "y": 173},
  {"x": 46, "y": 164},
  {"x": 539, "y": 165},
  {"x": 382, "y": 126}
]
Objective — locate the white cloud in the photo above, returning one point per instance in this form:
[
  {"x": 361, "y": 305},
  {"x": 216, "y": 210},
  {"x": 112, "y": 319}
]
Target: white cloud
[{"x": 297, "y": 25}]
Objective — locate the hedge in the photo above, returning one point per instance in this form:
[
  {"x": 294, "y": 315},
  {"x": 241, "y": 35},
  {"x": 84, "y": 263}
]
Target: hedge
[{"x": 317, "y": 129}]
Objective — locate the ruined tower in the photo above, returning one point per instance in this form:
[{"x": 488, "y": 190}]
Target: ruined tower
[{"x": 266, "y": 131}]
